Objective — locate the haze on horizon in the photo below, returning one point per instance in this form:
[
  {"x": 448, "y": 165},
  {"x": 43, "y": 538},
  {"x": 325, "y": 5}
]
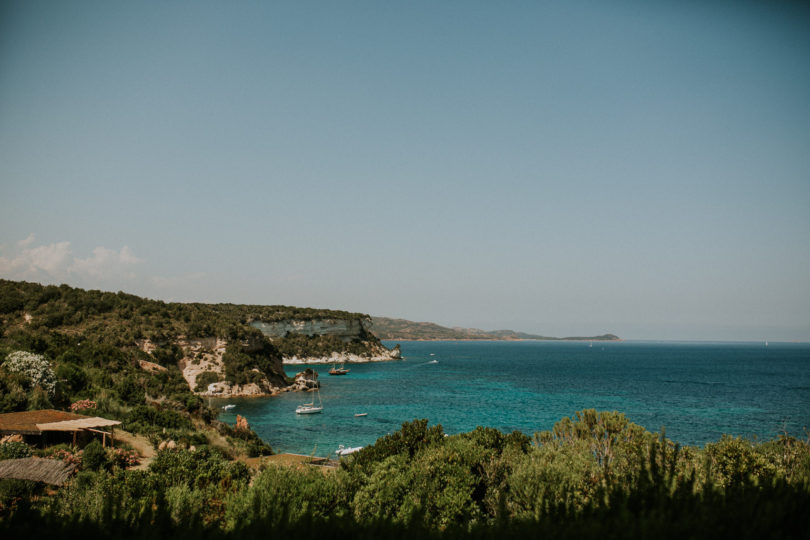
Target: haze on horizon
[{"x": 561, "y": 168}]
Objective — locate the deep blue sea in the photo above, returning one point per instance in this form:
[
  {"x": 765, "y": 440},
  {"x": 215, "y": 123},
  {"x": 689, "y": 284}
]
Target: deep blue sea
[{"x": 696, "y": 391}]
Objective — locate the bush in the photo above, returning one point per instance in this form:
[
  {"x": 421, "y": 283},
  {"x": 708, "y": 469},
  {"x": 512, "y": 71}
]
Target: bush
[
  {"x": 34, "y": 368},
  {"x": 199, "y": 469},
  {"x": 13, "y": 491},
  {"x": 73, "y": 376},
  {"x": 143, "y": 417},
  {"x": 280, "y": 496},
  {"x": 204, "y": 379},
  {"x": 94, "y": 457},
  {"x": 130, "y": 391},
  {"x": 14, "y": 450},
  {"x": 412, "y": 437}
]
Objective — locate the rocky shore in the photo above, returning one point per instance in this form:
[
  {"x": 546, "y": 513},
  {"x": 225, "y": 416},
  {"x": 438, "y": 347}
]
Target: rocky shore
[{"x": 379, "y": 354}]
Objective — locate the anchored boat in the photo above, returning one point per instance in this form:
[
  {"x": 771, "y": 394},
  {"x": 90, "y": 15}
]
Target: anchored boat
[
  {"x": 310, "y": 408},
  {"x": 338, "y": 370}
]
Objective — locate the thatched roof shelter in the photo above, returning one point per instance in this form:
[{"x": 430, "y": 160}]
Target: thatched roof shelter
[
  {"x": 37, "y": 422},
  {"x": 26, "y": 422},
  {"x": 50, "y": 471},
  {"x": 76, "y": 425}
]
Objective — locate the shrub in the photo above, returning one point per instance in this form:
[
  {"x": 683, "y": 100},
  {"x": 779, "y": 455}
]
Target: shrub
[
  {"x": 94, "y": 457},
  {"x": 412, "y": 437},
  {"x": 198, "y": 469},
  {"x": 142, "y": 417},
  {"x": 281, "y": 496},
  {"x": 130, "y": 391},
  {"x": 73, "y": 376},
  {"x": 204, "y": 379},
  {"x": 83, "y": 405},
  {"x": 124, "y": 458},
  {"x": 35, "y": 369},
  {"x": 14, "y": 450}
]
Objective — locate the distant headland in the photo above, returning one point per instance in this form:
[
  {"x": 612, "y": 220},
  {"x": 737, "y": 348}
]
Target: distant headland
[{"x": 401, "y": 329}]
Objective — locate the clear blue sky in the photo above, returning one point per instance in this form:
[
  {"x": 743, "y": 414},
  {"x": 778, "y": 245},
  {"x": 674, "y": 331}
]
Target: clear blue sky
[{"x": 641, "y": 168}]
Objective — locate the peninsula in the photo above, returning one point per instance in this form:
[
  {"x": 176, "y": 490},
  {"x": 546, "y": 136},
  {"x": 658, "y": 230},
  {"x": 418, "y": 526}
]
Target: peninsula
[{"x": 401, "y": 329}]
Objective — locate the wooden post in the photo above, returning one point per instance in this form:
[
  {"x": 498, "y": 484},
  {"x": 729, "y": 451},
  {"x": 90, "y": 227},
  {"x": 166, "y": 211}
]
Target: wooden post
[
  {"x": 103, "y": 440},
  {"x": 74, "y": 439}
]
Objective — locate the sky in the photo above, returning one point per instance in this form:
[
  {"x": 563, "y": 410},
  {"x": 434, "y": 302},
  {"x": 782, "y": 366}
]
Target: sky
[{"x": 562, "y": 168}]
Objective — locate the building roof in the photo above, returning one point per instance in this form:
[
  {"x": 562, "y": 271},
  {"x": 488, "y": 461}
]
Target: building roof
[
  {"x": 50, "y": 471},
  {"x": 76, "y": 425},
  {"x": 35, "y": 422}
]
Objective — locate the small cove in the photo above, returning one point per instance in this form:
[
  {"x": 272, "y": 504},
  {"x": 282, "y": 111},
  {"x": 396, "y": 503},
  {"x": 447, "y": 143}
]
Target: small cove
[{"x": 697, "y": 391}]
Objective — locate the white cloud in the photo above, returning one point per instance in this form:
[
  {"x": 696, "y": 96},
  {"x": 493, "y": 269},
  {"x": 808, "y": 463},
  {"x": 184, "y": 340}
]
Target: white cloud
[
  {"x": 27, "y": 241},
  {"x": 106, "y": 263},
  {"x": 56, "y": 262},
  {"x": 50, "y": 259}
]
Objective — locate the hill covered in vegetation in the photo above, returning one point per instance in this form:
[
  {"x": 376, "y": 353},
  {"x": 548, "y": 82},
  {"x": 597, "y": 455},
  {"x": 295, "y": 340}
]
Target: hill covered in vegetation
[
  {"x": 207, "y": 343},
  {"x": 393, "y": 329}
]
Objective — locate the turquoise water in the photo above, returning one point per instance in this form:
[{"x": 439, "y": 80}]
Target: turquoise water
[{"x": 697, "y": 391}]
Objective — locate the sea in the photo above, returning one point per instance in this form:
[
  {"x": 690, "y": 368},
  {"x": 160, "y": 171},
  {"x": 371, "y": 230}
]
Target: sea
[{"x": 695, "y": 391}]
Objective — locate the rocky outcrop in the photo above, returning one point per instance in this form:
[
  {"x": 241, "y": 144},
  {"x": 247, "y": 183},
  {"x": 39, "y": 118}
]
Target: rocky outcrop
[
  {"x": 345, "y": 329},
  {"x": 225, "y": 389},
  {"x": 205, "y": 355},
  {"x": 201, "y": 355},
  {"x": 151, "y": 367},
  {"x": 306, "y": 380}
]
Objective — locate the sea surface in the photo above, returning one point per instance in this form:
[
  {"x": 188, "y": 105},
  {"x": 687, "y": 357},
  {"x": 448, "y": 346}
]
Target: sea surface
[{"x": 696, "y": 391}]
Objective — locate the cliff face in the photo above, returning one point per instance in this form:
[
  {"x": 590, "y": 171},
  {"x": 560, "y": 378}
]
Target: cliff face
[
  {"x": 345, "y": 329},
  {"x": 322, "y": 340}
]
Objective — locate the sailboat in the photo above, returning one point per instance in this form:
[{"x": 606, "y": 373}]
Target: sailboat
[
  {"x": 310, "y": 408},
  {"x": 338, "y": 370}
]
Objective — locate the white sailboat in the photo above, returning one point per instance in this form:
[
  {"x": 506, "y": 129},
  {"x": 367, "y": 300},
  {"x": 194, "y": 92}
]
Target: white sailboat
[{"x": 310, "y": 408}]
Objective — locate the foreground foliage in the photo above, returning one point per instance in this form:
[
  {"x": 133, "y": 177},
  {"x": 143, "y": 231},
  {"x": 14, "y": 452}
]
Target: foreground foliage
[{"x": 594, "y": 475}]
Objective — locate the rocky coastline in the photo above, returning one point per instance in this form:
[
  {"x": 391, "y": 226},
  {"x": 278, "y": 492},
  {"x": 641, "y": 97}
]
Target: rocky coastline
[{"x": 379, "y": 354}]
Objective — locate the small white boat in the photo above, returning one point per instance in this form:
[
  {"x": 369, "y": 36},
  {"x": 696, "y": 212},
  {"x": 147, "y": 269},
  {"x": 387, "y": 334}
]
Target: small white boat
[
  {"x": 228, "y": 407},
  {"x": 361, "y": 414},
  {"x": 343, "y": 451},
  {"x": 310, "y": 408}
]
